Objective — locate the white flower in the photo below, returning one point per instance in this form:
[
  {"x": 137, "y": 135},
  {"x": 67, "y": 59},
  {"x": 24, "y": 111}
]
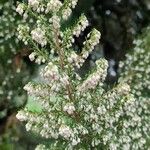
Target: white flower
[
  {"x": 36, "y": 89},
  {"x": 124, "y": 89},
  {"x": 40, "y": 147},
  {"x": 101, "y": 110},
  {"x": 51, "y": 72},
  {"x": 66, "y": 13},
  {"x": 21, "y": 116},
  {"x": 39, "y": 60},
  {"x": 53, "y": 5},
  {"x": 23, "y": 30},
  {"x": 64, "y": 80},
  {"x": 39, "y": 36},
  {"x": 20, "y": 9},
  {"x": 89, "y": 45},
  {"x": 75, "y": 141},
  {"x": 94, "y": 79},
  {"x": 73, "y": 3},
  {"x": 55, "y": 20},
  {"x": 32, "y": 56},
  {"x": 69, "y": 108},
  {"x": 34, "y": 4},
  {"x": 81, "y": 26},
  {"x": 65, "y": 131},
  {"x": 25, "y": 15},
  {"x": 137, "y": 42},
  {"x": 73, "y": 58},
  {"x": 91, "y": 82},
  {"x": 28, "y": 126},
  {"x": 93, "y": 117}
]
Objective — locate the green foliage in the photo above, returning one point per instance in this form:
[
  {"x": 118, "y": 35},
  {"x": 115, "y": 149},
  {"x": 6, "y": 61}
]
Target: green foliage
[{"x": 33, "y": 106}]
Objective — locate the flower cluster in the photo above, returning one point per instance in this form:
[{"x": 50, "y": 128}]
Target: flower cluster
[
  {"x": 13, "y": 71},
  {"x": 69, "y": 108},
  {"x": 136, "y": 70},
  {"x": 89, "y": 44},
  {"x": 83, "y": 23},
  {"x": 68, "y": 35},
  {"x": 51, "y": 73},
  {"x": 20, "y": 9},
  {"x": 8, "y": 25},
  {"x": 77, "y": 112},
  {"x": 65, "y": 132},
  {"x": 137, "y": 65},
  {"x": 53, "y": 5},
  {"x": 39, "y": 36},
  {"x": 22, "y": 33},
  {"x": 34, "y": 4},
  {"x": 67, "y": 9},
  {"x": 96, "y": 78},
  {"x": 38, "y": 59},
  {"x": 55, "y": 20}
]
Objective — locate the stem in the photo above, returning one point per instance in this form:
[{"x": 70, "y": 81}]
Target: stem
[{"x": 62, "y": 58}]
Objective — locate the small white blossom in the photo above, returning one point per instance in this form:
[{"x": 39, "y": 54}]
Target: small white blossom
[
  {"x": 51, "y": 72},
  {"x": 94, "y": 79},
  {"x": 34, "y": 4},
  {"x": 55, "y": 20},
  {"x": 32, "y": 56},
  {"x": 53, "y": 5},
  {"x": 20, "y": 9},
  {"x": 69, "y": 108},
  {"x": 66, "y": 13},
  {"x": 28, "y": 126},
  {"x": 23, "y": 31},
  {"x": 21, "y": 116},
  {"x": 73, "y": 3},
  {"x": 81, "y": 26},
  {"x": 41, "y": 147},
  {"x": 75, "y": 141},
  {"x": 39, "y": 36},
  {"x": 64, "y": 80},
  {"x": 65, "y": 131}
]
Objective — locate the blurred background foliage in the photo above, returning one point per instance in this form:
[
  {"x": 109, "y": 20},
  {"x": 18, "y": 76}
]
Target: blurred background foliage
[
  {"x": 15, "y": 71},
  {"x": 119, "y": 21}
]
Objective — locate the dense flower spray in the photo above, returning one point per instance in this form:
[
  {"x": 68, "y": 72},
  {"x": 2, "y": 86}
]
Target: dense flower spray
[
  {"x": 137, "y": 65},
  {"x": 136, "y": 71},
  {"x": 76, "y": 112}
]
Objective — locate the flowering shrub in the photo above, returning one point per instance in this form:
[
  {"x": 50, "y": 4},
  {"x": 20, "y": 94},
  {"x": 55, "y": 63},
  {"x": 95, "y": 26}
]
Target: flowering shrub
[
  {"x": 73, "y": 112},
  {"x": 136, "y": 67},
  {"x": 136, "y": 71},
  {"x": 12, "y": 78}
]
